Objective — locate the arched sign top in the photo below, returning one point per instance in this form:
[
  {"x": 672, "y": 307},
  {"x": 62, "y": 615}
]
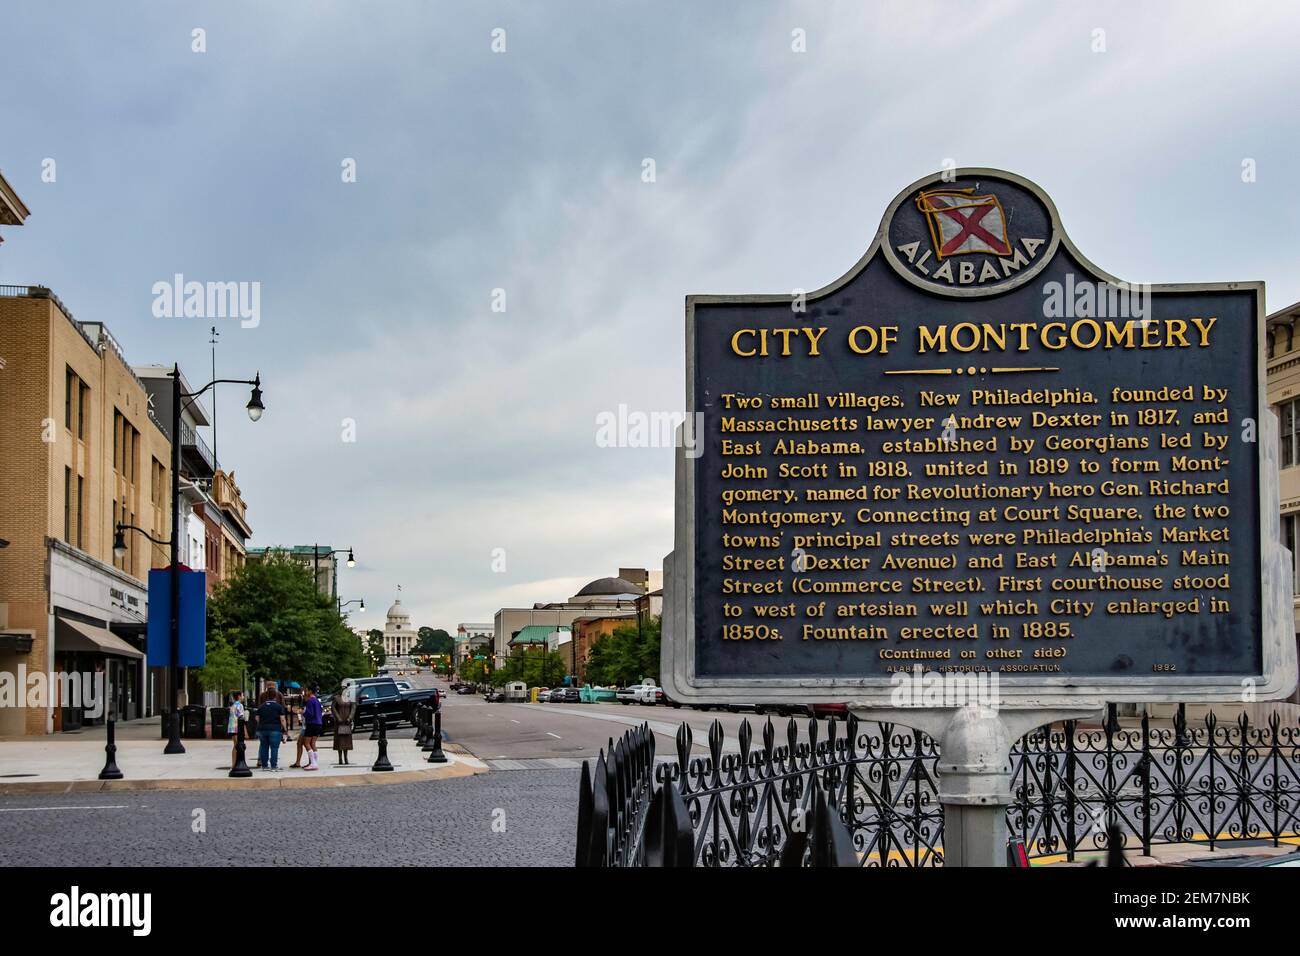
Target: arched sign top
[{"x": 970, "y": 232}]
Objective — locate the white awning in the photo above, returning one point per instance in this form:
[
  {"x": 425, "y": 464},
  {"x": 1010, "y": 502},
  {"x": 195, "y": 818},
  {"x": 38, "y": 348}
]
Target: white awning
[{"x": 77, "y": 636}]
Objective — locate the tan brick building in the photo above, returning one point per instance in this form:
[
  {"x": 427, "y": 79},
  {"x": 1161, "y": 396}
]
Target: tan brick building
[
  {"x": 235, "y": 529},
  {"x": 79, "y": 451},
  {"x": 587, "y": 630},
  {"x": 1283, "y": 357}
]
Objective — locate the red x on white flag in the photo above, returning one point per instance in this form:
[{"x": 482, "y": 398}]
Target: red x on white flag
[{"x": 961, "y": 222}]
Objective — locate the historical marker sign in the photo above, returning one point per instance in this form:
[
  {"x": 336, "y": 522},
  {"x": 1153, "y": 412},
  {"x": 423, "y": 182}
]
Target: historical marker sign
[{"x": 976, "y": 452}]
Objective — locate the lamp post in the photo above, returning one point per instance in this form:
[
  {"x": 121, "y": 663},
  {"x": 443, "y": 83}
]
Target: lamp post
[
  {"x": 315, "y": 566},
  {"x": 255, "y": 409},
  {"x": 342, "y": 604}
]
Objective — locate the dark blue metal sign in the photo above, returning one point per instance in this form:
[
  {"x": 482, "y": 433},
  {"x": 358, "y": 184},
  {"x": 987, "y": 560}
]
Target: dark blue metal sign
[
  {"x": 193, "y": 618},
  {"x": 975, "y": 452}
]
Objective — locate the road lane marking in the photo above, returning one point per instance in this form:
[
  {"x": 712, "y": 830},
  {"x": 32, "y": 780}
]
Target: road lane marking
[
  {"x": 122, "y": 806},
  {"x": 513, "y": 721},
  {"x": 556, "y": 736}
]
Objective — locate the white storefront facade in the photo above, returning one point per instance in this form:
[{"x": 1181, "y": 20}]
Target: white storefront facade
[{"x": 98, "y": 617}]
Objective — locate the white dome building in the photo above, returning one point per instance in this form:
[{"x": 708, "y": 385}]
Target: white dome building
[{"x": 399, "y": 636}]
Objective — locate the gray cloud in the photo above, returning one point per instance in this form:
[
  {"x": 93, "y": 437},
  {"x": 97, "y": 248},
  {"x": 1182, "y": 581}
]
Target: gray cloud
[{"x": 522, "y": 171}]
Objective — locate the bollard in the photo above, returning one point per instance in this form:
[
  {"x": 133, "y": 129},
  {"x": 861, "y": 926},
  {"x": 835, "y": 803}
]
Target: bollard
[
  {"x": 374, "y": 728},
  {"x": 240, "y": 769},
  {"x": 436, "y": 755},
  {"x": 418, "y": 722},
  {"x": 110, "y": 771},
  {"x": 381, "y": 762},
  {"x": 428, "y": 733}
]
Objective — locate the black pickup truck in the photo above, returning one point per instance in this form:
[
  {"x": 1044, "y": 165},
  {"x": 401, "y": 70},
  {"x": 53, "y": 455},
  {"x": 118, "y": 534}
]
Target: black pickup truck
[{"x": 381, "y": 695}]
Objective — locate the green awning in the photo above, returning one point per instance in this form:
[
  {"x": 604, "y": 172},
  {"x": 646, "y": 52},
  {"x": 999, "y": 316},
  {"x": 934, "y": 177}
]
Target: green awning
[{"x": 536, "y": 633}]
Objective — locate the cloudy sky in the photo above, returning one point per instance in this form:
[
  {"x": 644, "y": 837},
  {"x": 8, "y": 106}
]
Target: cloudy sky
[{"x": 522, "y": 171}]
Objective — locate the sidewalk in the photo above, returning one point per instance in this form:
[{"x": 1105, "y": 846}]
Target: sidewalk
[{"x": 66, "y": 763}]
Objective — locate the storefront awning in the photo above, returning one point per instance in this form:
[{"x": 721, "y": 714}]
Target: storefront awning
[{"x": 77, "y": 636}]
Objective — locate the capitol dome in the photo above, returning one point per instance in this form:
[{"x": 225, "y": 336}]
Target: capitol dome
[
  {"x": 399, "y": 637},
  {"x": 610, "y": 587}
]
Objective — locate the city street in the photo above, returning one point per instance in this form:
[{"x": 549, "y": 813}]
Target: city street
[
  {"x": 498, "y": 819},
  {"x": 512, "y": 736},
  {"x": 522, "y": 812}
]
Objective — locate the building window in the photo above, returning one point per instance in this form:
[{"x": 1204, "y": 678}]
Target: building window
[
  {"x": 1289, "y": 528},
  {"x": 67, "y": 505},
  {"x": 1287, "y": 414},
  {"x": 83, "y": 400},
  {"x": 70, "y": 384},
  {"x": 80, "y": 503},
  {"x": 156, "y": 483}
]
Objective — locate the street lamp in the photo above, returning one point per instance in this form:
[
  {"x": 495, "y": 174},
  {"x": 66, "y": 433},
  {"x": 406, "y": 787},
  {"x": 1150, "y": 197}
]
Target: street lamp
[
  {"x": 255, "y": 409},
  {"x": 317, "y": 554},
  {"x": 119, "y": 539},
  {"x": 343, "y": 604}
]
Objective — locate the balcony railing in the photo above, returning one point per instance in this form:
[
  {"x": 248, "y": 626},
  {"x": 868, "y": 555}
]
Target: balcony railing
[{"x": 195, "y": 453}]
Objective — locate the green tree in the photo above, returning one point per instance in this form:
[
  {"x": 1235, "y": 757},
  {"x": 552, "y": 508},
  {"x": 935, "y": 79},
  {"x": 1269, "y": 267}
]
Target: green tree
[
  {"x": 270, "y": 613},
  {"x": 627, "y": 655},
  {"x": 375, "y": 647},
  {"x": 225, "y": 667},
  {"x": 433, "y": 641},
  {"x": 535, "y": 666},
  {"x": 474, "y": 671}
]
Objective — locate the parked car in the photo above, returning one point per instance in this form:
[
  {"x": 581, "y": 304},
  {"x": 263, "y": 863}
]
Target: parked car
[
  {"x": 403, "y": 685},
  {"x": 463, "y": 689},
  {"x": 827, "y": 711},
  {"x": 782, "y": 710},
  {"x": 646, "y": 692},
  {"x": 495, "y": 695},
  {"x": 543, "y": 694},
  {"x": 566, "y": 695},
  {"x": 376, "y": 696}
]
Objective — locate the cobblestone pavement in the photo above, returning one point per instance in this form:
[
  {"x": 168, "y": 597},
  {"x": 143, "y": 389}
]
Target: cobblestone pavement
[{"x": 434, "y": 823}]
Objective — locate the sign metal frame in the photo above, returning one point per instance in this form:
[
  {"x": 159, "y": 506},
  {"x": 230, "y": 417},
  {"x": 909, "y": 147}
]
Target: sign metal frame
[{"x": 1276, "y": 680}]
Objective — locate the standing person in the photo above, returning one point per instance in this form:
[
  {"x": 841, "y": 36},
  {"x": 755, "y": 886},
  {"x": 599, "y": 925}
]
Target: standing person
[
  {"x": 268, "y": 693},
  {"x": 270, "y": 726},
  {"x": 311, "y": 728},
  {"x": 234, "y": 713},
  {"x": 344, "y": 708},
  {"x": 302, "y": 735}
]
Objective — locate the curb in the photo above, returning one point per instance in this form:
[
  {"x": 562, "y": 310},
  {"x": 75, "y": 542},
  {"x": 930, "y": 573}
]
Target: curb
[{"x": 449, "y": 771}]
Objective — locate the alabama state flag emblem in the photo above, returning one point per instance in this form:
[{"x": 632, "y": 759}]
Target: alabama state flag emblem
[{"x": 962, "y": 222}]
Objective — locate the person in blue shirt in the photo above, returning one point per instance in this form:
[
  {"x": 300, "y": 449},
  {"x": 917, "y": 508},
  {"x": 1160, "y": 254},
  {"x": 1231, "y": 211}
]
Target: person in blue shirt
[
  {"x": 270, "y": 725},
  {"x": 312, "y": 719}
]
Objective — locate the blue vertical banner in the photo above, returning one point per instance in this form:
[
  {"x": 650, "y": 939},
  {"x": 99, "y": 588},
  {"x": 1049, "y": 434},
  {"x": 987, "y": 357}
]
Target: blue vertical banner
[{"x": 193, "y": 618}]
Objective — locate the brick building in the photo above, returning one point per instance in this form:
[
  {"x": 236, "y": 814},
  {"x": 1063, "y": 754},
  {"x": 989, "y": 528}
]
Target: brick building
[
  {"x": 1283, "y": 358},
  {"x": 79, "y": 452}
]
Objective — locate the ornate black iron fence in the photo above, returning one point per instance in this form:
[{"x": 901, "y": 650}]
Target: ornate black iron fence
[
  {"x": 1075, "y": 789},
  {"x": 1206, "y": 781},
  {"x": 625, "y": 820}
]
